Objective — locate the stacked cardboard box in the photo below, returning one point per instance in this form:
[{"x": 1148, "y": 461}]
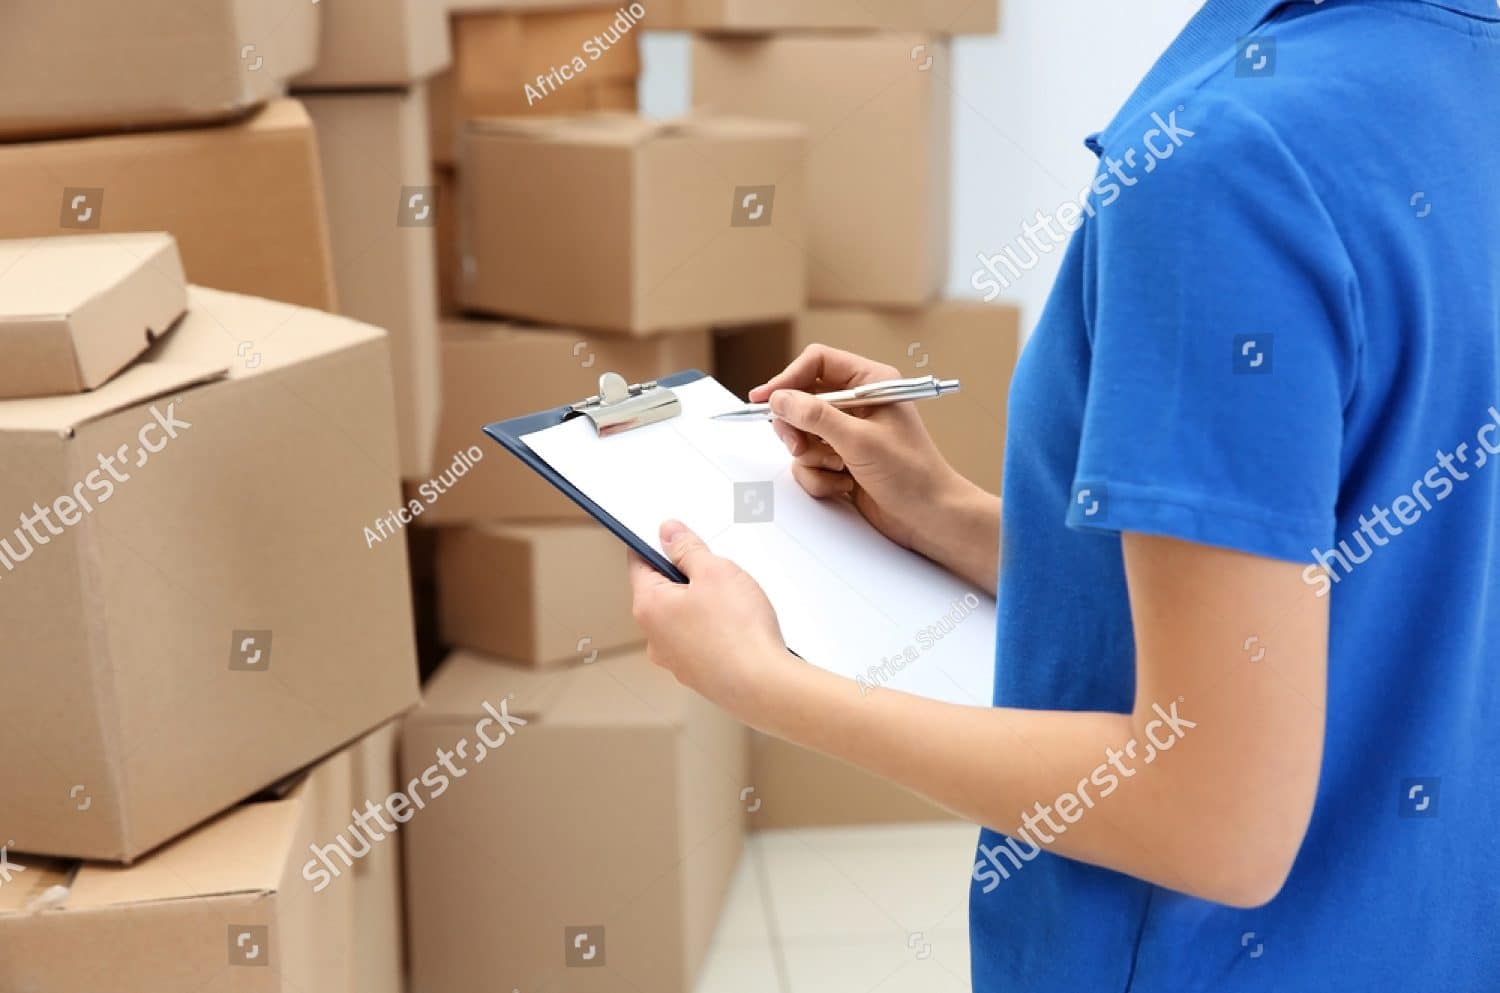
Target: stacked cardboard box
[
  {"x": 869, "y": 81},
  {"x": 509, "y": 61},
  {"x": 185, "y": 477},
  {"x": 607, "y": 795},
  {"x": 575, "y": 239},
  {"x": 367, "y": 99}
]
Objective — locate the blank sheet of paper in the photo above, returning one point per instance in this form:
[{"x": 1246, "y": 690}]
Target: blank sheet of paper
[{"x": 849, "y": 600}]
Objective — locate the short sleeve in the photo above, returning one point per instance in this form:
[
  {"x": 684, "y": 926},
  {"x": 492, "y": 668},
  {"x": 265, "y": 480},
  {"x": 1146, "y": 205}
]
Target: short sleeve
[{"x": 1223, "y": 340}]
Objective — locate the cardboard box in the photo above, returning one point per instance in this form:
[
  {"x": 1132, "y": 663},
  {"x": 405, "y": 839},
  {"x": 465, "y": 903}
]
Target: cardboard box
[
  {"x": 615, "y": 809},
  {"x": 632, "y": 225},
  {"x": 802, "y": 788},
  {"x": 75, "y": 68},
  {"x": 583, "y": 96},
  {"x": 243, "y": 200},
  {"x": 511, "y": 64},
  {"x": 379, "y": 931},
  {"x": 378, "y": 43},
  {"x": 381, "y": 209},
  {"x": 449, "y": 252},
  {"x": 878, "y": 150},
  {"x": 945, "y": 17},
  {"x": 535, "y": 593},
  {"x": 492, "y": 371},
  {"x": 207, "y": 910},
  {"x": 75, "y": 311},
  {"x": 977, "y": 343},
  {"x": 196, "y": 613}
]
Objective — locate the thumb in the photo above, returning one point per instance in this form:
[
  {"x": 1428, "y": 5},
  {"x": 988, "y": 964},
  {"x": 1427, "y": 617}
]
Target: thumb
[
  {"x": 684, "y": 548},
  {"x": 805, "y": 412}
]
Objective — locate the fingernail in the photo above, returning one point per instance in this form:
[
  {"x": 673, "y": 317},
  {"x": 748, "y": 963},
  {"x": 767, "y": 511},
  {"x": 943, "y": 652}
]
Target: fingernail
[
  {"x": 671, "y": 531},
  {"x": 779, "y": 402},
  {"x": 834, "y": 463}
]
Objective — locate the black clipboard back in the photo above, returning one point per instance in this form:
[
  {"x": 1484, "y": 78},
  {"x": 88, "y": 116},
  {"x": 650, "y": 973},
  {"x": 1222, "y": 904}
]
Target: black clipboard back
[{"x": 510, "y": 432}]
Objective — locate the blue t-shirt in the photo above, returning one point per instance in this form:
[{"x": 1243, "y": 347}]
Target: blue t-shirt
[{"x": 1277, "y": 330}]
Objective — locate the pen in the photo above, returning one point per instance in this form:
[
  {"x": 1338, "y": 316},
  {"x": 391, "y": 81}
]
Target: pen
[{"x": 868, "y": 395}]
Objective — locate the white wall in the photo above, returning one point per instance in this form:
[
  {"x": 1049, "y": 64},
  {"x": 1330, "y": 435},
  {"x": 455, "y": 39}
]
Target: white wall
[{"x": 1022, "y": 103}]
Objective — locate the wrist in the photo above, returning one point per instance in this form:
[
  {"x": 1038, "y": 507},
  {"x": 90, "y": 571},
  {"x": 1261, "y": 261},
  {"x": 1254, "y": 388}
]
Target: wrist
[{"x": 961, "y": 515}]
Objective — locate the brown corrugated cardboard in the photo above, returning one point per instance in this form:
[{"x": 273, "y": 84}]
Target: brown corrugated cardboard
[
  {"x": 632, "y": 225},
  {"x": 446, "y": 232},
  {"x": 74, "y": 68},
  {"x": 615, "y": 809},
  {"x": 802, "y": 788},
  {"x": 877, "y": 119},
  {"x": 382, "y": 214},
  {"x": 184, "y": 581},
  {"x": 975, "y": 342},
  {"x": 76, "y": 310},
  {"x": 494, "y": 370},
  {"x": 378, "y": 43},
  {"x": 535, "y": 593},
  {"x": 379, "y": 934},
  {"x": 945, "y": 17},
  {"x": 510, "y": 64},
  {"x": 243, "y": 200},
  {"x": 225, "y": 907}
]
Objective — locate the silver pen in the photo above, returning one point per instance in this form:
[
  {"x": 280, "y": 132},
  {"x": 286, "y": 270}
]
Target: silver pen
[{"x": 868, "y": 395}]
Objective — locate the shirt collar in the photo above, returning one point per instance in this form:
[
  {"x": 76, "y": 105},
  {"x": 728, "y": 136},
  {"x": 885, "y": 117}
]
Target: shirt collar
[{"x": 1212, "y": 32}]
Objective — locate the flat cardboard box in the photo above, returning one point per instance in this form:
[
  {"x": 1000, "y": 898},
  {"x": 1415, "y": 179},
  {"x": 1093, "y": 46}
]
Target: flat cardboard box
[
  {"x": 974, "y": 342},
  {"x": 196, "y": 616},
  {"x": 377, "y": 182},
  {"x": 538, "y": 593},
  {"x": 225, "y": 907},
  {"x": 378, "y": 43},
  {"x": 501, "y": 62},
  {"x": 615, "y": 810},
  {"x": 494, "y": 370},
  {"x": 878, "y": 150},
  {"x": 945, "y": 17},
  {"x": 632, "y": 225},
  {"x": 243, "y": 200},
  {"x": 95, "y": 67},
  {"x": 799, "y": 788},
  {"x": 76, "y": 310}
]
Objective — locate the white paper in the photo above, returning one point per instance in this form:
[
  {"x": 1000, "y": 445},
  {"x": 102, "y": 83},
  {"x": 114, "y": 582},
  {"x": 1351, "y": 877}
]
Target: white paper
[{"x": 849, "y": 600}]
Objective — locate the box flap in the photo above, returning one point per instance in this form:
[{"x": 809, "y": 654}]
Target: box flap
[
  {"x": 139, "y": 384},
  {"x": 619, "y": 690}
]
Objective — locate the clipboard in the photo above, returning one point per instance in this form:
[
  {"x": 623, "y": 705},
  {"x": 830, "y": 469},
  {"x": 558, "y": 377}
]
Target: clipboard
[
  {"x": 618, "y": 406},
  {"x": 848, "y": 599}
]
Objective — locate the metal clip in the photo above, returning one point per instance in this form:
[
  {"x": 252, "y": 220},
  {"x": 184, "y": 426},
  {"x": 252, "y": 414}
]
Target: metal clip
[{"x": 621, "y": 406}]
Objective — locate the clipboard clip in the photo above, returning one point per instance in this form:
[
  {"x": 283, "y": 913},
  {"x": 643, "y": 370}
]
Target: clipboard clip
[{"x": 621, "y": 406}]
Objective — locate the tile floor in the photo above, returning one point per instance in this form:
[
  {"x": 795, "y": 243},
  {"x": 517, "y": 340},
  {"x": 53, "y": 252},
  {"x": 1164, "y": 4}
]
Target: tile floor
[{"x": 876, "y": 909}]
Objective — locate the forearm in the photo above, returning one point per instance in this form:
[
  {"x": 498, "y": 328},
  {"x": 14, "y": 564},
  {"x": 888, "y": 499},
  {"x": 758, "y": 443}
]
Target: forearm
[
  {"x": 963, "y": 533},
  {"x": 1178, "y": 812}
]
